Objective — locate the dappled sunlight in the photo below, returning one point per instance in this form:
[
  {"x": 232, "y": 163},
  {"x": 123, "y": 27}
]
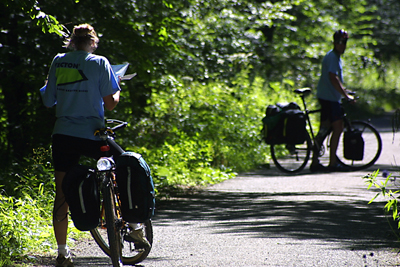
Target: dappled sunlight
[{"x": 353, "y": 225}]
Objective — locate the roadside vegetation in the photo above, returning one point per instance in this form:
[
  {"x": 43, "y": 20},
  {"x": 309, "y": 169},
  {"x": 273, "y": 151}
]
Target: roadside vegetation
[{"x": 206, "y": 71}]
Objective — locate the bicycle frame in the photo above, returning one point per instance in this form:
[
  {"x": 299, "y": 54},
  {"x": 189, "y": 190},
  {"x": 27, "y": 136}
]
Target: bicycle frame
[
  {"x": 106, "y": 179},
  {"x": 346, "y": 121},
  {"x": 106, "y": 165},
  {"x": 307, "y": 112},
  {"x": 111, "y": 236}
]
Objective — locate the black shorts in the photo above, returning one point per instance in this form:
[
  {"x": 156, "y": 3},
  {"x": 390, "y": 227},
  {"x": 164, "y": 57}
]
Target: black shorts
[
  {"x": 67, "y": 150},
  {"x": 330, "y": 110}
]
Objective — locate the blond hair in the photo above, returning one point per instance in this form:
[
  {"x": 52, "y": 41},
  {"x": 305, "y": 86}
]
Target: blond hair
[{"x": 83, "y": 36}]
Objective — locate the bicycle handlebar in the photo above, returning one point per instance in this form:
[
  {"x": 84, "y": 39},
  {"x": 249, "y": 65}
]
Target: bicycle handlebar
[
  {"x": 306, "y": 91},
  {"x": 121, "y": 124},
  {"x": 105, "y": 132}
]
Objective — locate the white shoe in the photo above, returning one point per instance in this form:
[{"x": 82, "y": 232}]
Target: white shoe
[
  {"x": 64, "y": 261},
  {"x": 138, "y": 237}
]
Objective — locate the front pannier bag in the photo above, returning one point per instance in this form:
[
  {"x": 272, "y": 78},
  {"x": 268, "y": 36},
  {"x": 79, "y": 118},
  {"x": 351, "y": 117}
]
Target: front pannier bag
[
  {"x": 81, "y": 193},
  {"x": 353, "y": 145},
  {"x": 135, "y": 187}
]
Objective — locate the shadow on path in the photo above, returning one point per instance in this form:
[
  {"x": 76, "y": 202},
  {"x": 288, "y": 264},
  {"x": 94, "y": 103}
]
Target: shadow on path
[{"x": 353, "y": 225}]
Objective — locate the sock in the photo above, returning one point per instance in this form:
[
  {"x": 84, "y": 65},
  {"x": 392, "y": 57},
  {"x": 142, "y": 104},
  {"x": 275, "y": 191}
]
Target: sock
[
  {"x": 136, "y": 226},
  {"x": 63, "y": 250}
]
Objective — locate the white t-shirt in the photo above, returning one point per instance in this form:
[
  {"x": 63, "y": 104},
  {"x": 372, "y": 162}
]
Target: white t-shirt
[{"x": 77, "y": 83}]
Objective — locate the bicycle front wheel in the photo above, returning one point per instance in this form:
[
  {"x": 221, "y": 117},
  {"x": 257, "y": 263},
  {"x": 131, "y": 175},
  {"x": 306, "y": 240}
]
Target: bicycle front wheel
[
  {"x": 372, "y": 146},
  {"x": 113, "y": 226},
  {"x": 291, "y": 158}
]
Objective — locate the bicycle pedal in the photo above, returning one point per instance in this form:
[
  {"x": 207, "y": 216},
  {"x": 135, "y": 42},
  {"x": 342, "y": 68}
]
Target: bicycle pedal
[{"x": 291, "y": 149}]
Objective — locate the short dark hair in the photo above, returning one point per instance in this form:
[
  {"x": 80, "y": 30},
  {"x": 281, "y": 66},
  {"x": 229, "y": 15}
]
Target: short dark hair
[{"x": 340, "y": 35}]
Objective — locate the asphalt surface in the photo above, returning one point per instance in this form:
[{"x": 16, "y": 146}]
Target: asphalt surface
[{"x": 268, "y": 218}]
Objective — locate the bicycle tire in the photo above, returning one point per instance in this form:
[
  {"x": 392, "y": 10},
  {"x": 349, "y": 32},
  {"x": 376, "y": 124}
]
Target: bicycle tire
[
  {"x": 291, "y": 158},
  {"x": 129, "y": 256},
  {"x": 372, "y": 146},
  {"x": 113, "y": 231}
]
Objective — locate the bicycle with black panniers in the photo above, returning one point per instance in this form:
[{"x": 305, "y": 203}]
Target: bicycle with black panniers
[
  {"x": 359, "y": 147},
  {"x": 116, "y": 210}
]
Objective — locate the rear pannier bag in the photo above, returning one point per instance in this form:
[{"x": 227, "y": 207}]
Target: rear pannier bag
[
  {"x": 284, "y": 123},
  {"x": 353, "y": 145},
  {"x": 135, "y": 187},
  {"x": 272, "y": 126},
  {"x": 81, "y": 193},
  {"x": 294, "y": 127}
]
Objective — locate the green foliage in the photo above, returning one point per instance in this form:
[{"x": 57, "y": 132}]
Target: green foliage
[
  {"x": 26, "y": 204},
  {"x": 197, "y": 133},
  {"x": 25, "y": 207},
  {"x": 386, "y": 29},
  {"x": 390, "y": 195},
  {"x": 48, "y": 23},
  {"x": 378, "y": 88},
  {"x": 25, "y": 226},
  {"x": 25, "y": 178}
]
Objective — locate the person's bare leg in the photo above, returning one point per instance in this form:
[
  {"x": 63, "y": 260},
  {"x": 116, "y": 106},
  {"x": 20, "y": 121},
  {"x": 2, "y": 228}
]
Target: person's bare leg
[
  {"x": 337, "y": 129},
  {"x": 60, "y": 211},
  {"x": 323, "y": 129}
]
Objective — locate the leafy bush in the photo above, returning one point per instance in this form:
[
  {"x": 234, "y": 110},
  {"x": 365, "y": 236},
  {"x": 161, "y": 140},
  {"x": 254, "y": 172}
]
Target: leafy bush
[
  {"x": 198, "y": 133},
  {"x": 25, "y": 226},
  {"x": 27, "y": 192},
  {"x": 26, "y": 204},
  {"x": 388, "y": 188},
  {"x": 27, "y": 177},
  {"x": 390, "y": 193},
  {"x": 378, "y": 87}
]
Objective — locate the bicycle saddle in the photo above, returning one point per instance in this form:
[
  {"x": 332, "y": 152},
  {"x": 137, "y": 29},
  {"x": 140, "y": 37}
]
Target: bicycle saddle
[{"x": 303, "y": 91}]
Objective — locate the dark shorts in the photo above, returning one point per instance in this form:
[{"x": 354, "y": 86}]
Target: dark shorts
[
  {"x": 67, "y": 150},
  {"x": 330, "y": 110}
]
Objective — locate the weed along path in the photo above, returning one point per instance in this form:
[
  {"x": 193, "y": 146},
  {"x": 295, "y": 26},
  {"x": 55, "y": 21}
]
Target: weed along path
[{"x": 268, "y": 218}]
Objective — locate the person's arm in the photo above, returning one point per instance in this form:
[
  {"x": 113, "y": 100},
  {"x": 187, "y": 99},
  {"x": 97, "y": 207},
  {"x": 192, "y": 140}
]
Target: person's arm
[
  {"x": 338, "y": 85},
  {"x": 111, "y": 101}
]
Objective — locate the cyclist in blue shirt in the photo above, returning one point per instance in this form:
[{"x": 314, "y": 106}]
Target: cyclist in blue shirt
[
  {"x": 330, "y": 90},
  {"x": 80, "y": 84}
]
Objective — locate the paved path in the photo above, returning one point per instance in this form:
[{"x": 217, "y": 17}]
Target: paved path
[{"x": 267, "y": 218}]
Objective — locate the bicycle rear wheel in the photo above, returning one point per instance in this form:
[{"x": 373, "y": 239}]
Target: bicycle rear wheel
[
  {"x": 130, "y": 256},
  {"x": 372, "y": 146},
  {"x": 291, "y": 158}
]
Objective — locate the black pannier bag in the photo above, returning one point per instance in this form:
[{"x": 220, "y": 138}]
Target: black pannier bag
[
  {"x": 135, "y": 187},
  {"x": 353, "y": 145},
  {"x": 294, "y": 126},
  {"x": 81, "y": 193},
  {"x": 272, "y": 125},
  {"x": 284, "y": 123}
]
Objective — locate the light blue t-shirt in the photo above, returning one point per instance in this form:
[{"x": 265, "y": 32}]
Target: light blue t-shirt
[
  {"x": 77, "y": 83},
  {"x": 325, "y": 90}
]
